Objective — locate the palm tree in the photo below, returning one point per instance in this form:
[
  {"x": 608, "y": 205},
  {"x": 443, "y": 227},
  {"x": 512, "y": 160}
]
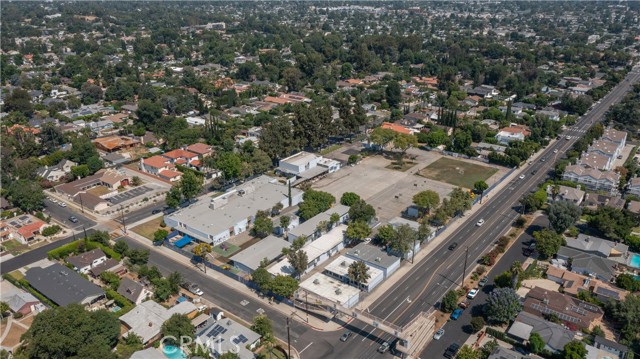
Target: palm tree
[
  {"x": 516, "y": 270},
  {"x": 359, "y": 273},
  {"x": 202, "y": 250}
]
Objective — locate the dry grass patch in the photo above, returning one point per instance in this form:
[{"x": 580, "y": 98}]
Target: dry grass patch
[{"x": 147, "y": 229}]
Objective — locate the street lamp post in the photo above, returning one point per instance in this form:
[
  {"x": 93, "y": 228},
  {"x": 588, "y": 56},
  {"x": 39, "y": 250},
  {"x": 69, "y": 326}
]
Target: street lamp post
[
  {"x": 81, "y": 204},
  {"x": 464, "y": 269}
]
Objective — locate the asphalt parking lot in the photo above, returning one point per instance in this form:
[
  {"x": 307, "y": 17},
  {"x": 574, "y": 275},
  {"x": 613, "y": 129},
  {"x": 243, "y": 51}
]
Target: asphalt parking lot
[{"x": 125, "y": 196}]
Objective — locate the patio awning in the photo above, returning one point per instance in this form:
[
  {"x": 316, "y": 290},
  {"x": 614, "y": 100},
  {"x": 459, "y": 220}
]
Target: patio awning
[{"x": 183, "y": 241}]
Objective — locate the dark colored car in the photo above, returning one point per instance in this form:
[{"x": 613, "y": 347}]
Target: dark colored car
[
  {"x": 73, "y": 219},
  {"x": 453, "y": 246},
  {"x": 534, "y": 172},
  {"x": 451, "y": 351},
  {"x": 156, "y": 211}
]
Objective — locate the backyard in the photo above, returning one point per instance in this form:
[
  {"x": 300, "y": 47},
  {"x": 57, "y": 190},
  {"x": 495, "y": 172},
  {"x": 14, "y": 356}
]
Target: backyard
[{"x": 456, "y": 172}]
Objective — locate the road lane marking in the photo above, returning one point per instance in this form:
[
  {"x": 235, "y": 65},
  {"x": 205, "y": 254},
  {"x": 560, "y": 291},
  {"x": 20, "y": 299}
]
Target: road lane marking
[{"x": 305, "y": 348}]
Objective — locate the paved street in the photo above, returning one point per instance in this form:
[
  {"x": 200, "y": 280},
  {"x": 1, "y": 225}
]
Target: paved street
[
  {"x": 62, "y": 214},
  {"x": 140, "y": 214},
  {"x": 459, "y": 330},
  {"x": 37, "y": 254}
]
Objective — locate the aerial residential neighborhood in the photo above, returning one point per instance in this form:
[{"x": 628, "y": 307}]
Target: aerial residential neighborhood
[{"x": 314, "y": 180}]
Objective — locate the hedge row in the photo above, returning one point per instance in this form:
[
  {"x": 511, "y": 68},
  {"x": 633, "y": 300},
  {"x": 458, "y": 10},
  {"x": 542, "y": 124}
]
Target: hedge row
[
  {"x": 121, "y": 301},
  {"x": 22, "y": 283},
  {"x": 68, "y": 249}
]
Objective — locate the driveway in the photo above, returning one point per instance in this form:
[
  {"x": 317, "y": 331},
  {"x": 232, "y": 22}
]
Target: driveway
[{"x": 125, "y": 196}]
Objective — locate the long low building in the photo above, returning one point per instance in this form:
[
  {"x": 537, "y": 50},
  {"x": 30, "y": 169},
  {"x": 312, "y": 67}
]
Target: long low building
[
  {"x": 269, "y": 248},
  {"x": 375, "y": 257},
  {"x": 339, "y": 269},
  {"x": 215, "y": 220},
  {"x": 317, "y": 251},
  {"x": 332, "y": 289},
  {"x": 591, "y": 178}
]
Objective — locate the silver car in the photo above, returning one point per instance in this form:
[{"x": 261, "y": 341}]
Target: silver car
[{"x": 438, "y": 334}]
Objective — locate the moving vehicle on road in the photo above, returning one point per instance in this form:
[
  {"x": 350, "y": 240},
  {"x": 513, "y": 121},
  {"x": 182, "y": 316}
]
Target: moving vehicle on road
[
  {"x": 480, "y": 222},
  {"x": 543, "y": 159},
  {"x": 346, "y": 335},
  {"x": 73, "y": 219},
  {"x": 383, "y": 348},
  {"x": 555, "y": 151},
  {"x": 483, "y": 282},
  {"x": 568, "y": 138},
  {"x": 521, "y": 176},
  {"x": 62, "y": 204},
  {"x": 452, "y": 350},
  {"x": 534, "y": 172},
  {"x": 456, "y": 314},
  {"x": 453, "y": 246},
  {"x": 438, "y": 334},
  {"x": 472, "y": 294}
]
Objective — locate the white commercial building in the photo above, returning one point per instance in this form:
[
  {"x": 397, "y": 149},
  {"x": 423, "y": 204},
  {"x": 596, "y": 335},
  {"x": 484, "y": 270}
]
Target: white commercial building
[
  {"x": 375, "y": 257},
  {"x": 309, "y": 228},
  {"x": 317, "y": 251},
  {"x": 339, "y": 269},
  {"x": 307, "y": 165},
  {"x": 332, "y": 289},
  {"x": 215, "y": 220}
]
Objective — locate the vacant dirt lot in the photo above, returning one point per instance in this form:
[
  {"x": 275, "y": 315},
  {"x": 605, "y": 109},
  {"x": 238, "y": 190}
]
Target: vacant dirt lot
[
  {"x": 389, "y": 191},
  {"x": 457, "y": 172}
]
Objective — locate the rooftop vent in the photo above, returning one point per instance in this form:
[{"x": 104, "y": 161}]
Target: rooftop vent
[
  {"x": 316, "y": 281},
  {"x": 344, "y": 263},
  {"x": 356, "y": 252},
  {"x": 338, "y": 291},
  {"x": 378, "y": 259}
]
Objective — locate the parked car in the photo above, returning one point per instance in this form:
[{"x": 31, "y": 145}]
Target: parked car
[
  {"x": 453, "y": 246},
  {"x": 346, "y": 335},
  {"x": 156, "y": 211},
  {"x": 73, "y": 219},
  {"x": 383, "y": 348},
  {"x": 480, "y": 222},
  {"x": 452, "y": 350},
  {"x": 438, "y": 334},
  {"x": 472, "y": 293},
  {"x": 483, "y": 282},
  {"x": 194, "y": 289},
  {"x": 456, "y": 313},
  {"x": 62, "y": 204},
  {"x": 464, "y": 304}
]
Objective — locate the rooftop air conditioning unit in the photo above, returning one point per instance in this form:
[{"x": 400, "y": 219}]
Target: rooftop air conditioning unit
[
  {"x": 338, "y": 291},
  {"x": 316, "y": 281}
]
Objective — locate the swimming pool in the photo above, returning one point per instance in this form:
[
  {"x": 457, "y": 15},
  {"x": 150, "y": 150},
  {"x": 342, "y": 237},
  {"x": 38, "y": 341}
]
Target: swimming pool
[
  {"x": 635, "y": 261},
  {"x": 173, "y": 352}
]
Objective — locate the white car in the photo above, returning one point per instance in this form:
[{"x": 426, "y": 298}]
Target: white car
[
  {"x": 521, "y": 177},
  {"x": 62, "y": 204},
  {"x": 555, "y": 151},
  {"x": 438, "y": 334},
  {"x": 480, "y": 222},
  {"x": 472, "y": 294}
]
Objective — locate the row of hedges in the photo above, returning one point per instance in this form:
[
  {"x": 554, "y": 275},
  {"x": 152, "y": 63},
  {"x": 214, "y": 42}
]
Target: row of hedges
[
  {"x": 121, "y": 301},
  {"x": 490, "y": 258},
  {"x": 22, "y": 283},
  {"x": 71, "y": 248}
]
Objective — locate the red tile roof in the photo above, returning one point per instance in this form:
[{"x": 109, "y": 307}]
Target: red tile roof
[
  {"x": 170, "y": 174},
  {"x": 28, "y": 230},
  {"x": 155, "y": 162},
  {"x": 199, "y": 148},
  {"x": 178, "y": 153},
  {"x": 396, "y": 128}
]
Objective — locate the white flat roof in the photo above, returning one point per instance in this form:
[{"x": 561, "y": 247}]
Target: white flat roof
[
  {"x": 330, "y": 288},
  {"x": 340, "y": 266},
  {"x": 300, "y": 158}
]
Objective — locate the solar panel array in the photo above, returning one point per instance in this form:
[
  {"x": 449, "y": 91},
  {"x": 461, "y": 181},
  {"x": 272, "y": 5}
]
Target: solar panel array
[
  {"x": 560, "y": 315},
  {"x": 240, "y": 339},
  {"x": 217, "y": 330}
]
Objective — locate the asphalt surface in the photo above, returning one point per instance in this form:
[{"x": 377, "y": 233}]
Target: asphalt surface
[
  {"x": 457, "y": 331},
  {"x": 62, "y": 214},
  {"x": 425, "y": 284},
  {"x": 140, "y": 214},
  {"x": 37, "y": 254}
]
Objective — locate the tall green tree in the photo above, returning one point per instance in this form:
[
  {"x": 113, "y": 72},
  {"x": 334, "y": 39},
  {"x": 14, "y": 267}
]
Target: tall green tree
[
  {"x": 574, "y": 350},
  {"x": 480, "y": 187},
  {"x": 176, "y": 327},
  {"x": 190, "y": 185},
  {"x": 449, "y": 301},
  {"x": 503, "y": 304},
  {"x": 562, "y": 215},
  {"x": 202, "y": 251},
  {"x": 358, "y": 272},
  {"x": 349, "y": 198},
  {"x": 536, "y": 343},
  {"x": 358, "y": 230},
  {"x": 547, "y": 243},
  {"x": 393, "y": 94},
  {"x": 361, "y": 211},
  {"x": 262, "y": 325},
  {"x": 426, "y": 200},
  {"x": 299, "y": 260},
  {"x": 148, "y": 113}
]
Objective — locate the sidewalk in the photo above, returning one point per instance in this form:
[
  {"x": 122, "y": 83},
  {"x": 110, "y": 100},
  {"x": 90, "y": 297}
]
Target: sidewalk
[{"x": 295, "y": 313}]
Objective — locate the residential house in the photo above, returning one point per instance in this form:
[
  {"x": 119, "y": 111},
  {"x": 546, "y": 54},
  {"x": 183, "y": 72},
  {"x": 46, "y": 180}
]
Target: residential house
[
  {"x": 397, "y": 128},
  {"x": 594, "y": 201},
  {"x": 23, "y": 228},
  {"x": 598, "y": 246},
  {"x": 55, "y": 173},
  {"x": 550, "y": 114},
  {"x": 146, "y": 319},
  {"x": 555, "y": 336},
  {"x": 604, "y": 148},
  {"x": 513, "y": 133},
  {"x": 181, "y": 157},
  {"x": 201, "y": 149},
  {"x": 115, "y": 143},
  {"x": 574, "y": 283},
  {"x": 504, "y": 353},
  {"x": 609, "y": 346},
  {"x": 134, "y": 291},
  {"x": 234, "y": 210},
  {"x": 634, "y": 187},
  {"x": 592, "y": 265},
  {"x": 109, "y": 178},
  {"x": 110, "y": 265},
  {"x": 615, "y": 136},
  {"x": 161, "y": 167},
  {"x": 100, "y": 126},
  {"x": 484, "y": 91},
  {"x": 566, "y": 193},
  {"x": 227, "y": 336},
  {"x": 83, "y": 262},
  {"x": 634, "y": 207},
  {"x": 63, "y": 286},
  {"x": 375, "y": 257},
  {"x": 19, "y": 300},
  {"x": 591, "y": 178},
  {"x": 571, "y": 311},
  {"x": 269, "y": 249}
]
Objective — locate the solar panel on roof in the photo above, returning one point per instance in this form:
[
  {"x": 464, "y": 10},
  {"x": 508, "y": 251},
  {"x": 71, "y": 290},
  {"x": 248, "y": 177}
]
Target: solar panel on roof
[{"x": 242, "y": 338}]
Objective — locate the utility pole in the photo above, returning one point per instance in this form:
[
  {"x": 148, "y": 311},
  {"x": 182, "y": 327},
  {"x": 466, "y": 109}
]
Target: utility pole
[
  {"x": 464, "y": 269},
  {"x": 413, "y": 250},
  {"x": 85, "y": 231},
  {"x": 124, "y": 224},
  {"x": 81, "y": 204},
  {"x": 306, "y": 305},
  {"x": 288, "y": 338}
]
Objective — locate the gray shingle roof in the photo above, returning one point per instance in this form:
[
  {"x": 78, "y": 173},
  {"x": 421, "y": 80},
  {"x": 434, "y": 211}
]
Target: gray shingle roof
[{"x": 61, "y": 284}]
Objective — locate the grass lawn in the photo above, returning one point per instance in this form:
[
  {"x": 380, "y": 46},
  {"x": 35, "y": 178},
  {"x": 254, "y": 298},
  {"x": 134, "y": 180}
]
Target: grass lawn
[
  {"x": 16, "y": 274},
  {"x": 457, "y": 173},
  {"x": 326, "y": 151},
  {"x": 230, "y": 249},
  {"x": 148, "y": 228},
  {"x": 11, "y": 245},
  {"x": 99, "y": 191}
]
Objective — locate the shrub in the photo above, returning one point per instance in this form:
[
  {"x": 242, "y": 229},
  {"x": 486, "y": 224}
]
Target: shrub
[
  {"x": 520, "y": 221},
  {"x": 51, "y": 230},
  {"x": 477, "y": 323}
]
